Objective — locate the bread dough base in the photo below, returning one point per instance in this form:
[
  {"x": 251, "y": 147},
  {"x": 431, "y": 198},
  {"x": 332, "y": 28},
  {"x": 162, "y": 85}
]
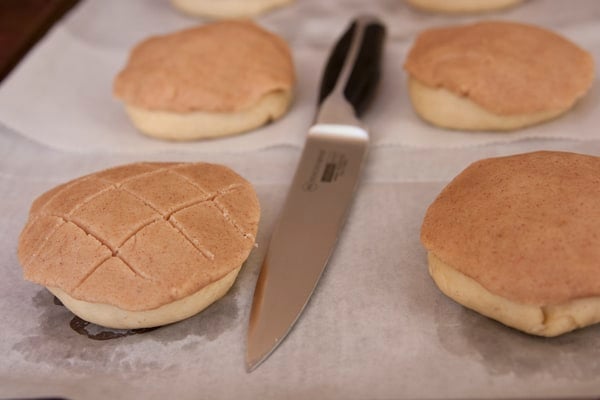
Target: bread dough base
[
  {"x": 445, "y": 109},
  {"x": 221, "y": 9},
  {"x": 545, "y": 320},
  {"x": 462, "y": 6},
  {"x": 114, "y": 317},
  {"x": 205, "y": 125}
]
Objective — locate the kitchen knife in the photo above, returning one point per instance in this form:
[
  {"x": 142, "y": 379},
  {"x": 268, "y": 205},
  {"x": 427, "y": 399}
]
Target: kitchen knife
[{"x": 321, "y": 192}]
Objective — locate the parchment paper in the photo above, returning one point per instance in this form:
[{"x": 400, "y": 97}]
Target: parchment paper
[
  {"x": 376, "y": 327},
  {"x": 61, "y": 94}
]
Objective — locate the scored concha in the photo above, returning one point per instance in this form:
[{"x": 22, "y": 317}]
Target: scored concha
[{"x": 143, "y": 244}]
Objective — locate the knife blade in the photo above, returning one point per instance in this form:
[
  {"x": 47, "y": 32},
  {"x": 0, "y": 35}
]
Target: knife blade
[{"x": 321, "y": 191}]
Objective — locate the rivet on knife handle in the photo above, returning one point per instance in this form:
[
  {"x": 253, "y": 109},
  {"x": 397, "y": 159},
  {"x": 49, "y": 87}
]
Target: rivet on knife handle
[{"x": 321, "y": 192}]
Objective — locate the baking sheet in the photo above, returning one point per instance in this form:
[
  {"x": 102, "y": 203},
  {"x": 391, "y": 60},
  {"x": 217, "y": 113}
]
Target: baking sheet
[{"x": 61, "y": 94}]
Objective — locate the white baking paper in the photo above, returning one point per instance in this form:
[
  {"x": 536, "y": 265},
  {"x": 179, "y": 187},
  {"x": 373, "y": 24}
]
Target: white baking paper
[
  {"x": 376, "y": 327},
  {"x": 60, "y": 95}
]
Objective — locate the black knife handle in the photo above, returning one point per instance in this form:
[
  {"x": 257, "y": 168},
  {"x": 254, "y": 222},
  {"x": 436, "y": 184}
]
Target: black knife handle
[{"x": 354, "y": 65}]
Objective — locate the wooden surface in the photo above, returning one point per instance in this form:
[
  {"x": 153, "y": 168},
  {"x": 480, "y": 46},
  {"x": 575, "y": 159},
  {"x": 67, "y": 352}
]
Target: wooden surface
[{"x": 22, "y": 24}]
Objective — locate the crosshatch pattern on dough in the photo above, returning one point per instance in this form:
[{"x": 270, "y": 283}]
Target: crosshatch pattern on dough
[{"x": 162, "y": 230}]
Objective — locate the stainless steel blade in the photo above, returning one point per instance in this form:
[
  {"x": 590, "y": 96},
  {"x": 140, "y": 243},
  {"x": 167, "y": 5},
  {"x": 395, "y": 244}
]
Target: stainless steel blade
[
  {"x": 314, "y": 212},
  {"x": 321, "y": 192}
]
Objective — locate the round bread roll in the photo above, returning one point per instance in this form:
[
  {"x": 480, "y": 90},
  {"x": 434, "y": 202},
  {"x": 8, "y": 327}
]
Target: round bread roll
[
  {"x": 518, "y": 239},
  {"x": 495, "y": 76},
  {"x": 462, "y": 6},
  {"x": 141, "y": 245},
  {"x": 227, "y": 8},
  {"x": 214, "y": 80}
]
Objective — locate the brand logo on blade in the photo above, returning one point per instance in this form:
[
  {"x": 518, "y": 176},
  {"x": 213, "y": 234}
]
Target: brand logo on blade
[
  {"x": 310, "y": 187},
  {"x": 311, "y": 184},
  {"x": 333, "y": 166}
]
